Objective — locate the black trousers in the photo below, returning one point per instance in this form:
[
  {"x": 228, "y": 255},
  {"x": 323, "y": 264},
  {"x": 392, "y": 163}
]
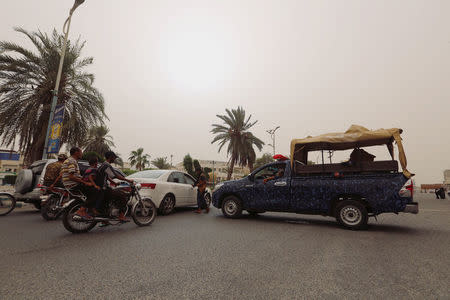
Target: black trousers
[
  {"x": 201, "y": 200},
  {"x": 89, "y": 192},
  {"x": 111, "y": 195}
]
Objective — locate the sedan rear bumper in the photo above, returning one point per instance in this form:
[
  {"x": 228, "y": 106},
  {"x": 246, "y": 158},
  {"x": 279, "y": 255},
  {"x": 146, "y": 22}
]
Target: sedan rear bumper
[{"x": 412, "y": 208}]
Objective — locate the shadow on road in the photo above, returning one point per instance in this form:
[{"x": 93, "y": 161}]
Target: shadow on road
[{"x": 329, "y": 222}]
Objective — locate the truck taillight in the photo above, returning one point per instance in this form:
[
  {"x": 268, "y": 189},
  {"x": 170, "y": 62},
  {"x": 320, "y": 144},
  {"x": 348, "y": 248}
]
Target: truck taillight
[
  {"x": 410, "y": 188},
  {"x": 151, "y": 186}
]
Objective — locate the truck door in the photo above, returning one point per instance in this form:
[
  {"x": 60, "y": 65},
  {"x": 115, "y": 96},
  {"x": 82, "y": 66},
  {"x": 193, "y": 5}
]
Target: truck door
[
  {"x": 310, "y": 193},
  {"x": 273, "y": 194}
]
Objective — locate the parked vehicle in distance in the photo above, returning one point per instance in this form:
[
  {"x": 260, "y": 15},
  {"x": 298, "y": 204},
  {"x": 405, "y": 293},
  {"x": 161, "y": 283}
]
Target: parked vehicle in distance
[
  {"x": 169, "y": 189},
  {"x": 29, "y": 181},
  {"x": 349, "y": 191}
]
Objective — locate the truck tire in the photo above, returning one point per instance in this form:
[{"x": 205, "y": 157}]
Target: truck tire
[
  {"x": 232, "y": 207},
  {"x": 352, "y": 214},
  {"x": 24, "y": 181}
]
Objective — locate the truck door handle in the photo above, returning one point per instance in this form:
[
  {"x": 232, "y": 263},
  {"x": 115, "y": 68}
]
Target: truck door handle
[{"x": 280, "y": 183}]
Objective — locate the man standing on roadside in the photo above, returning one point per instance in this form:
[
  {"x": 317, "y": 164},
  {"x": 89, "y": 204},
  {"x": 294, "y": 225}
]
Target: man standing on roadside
[
  {"x": 201, "y": 185},
  {"x": 73, "y": 181},
  {"x": 52, "y": 175}
]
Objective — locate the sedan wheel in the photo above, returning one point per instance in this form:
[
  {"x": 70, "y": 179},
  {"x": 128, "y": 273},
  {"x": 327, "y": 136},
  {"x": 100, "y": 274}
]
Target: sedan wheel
[
  {"x": 208, "y": 199},
  {"x": 167, "y": 205}
]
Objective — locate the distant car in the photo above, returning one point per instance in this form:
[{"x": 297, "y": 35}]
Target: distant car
[
  {"x": 169, "y": 189},
  {"x": 28, "y": 182},
  {"x": 27, "y": 186}
]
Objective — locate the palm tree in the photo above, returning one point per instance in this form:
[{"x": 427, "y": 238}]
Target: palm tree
[
  {"x": 98, "y": 140},
  {"x": 139, "y": 159},
  {"x": 161, "y": 163},
  {"x": 27, "y": 79},
  {"x": 234, "y": 132}
]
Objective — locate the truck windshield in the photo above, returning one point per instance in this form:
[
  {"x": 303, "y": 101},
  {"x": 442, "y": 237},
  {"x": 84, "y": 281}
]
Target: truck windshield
[{"x": 271, "y": 171}]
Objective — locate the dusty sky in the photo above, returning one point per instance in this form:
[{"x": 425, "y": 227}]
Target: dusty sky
[{"x": 167, "y": 67}]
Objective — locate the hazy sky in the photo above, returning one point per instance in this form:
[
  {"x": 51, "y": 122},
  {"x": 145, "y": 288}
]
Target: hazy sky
[{"x": 167, "y": 67}]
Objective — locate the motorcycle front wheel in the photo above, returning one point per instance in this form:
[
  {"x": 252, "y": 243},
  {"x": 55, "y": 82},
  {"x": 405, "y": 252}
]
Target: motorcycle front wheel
[
  {"x": 144, "y": 212},
  {"x": 76, "y": 226}
]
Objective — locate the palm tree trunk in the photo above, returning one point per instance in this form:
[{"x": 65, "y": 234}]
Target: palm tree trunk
[
  {"x": 230, "y": 169},
  {"x": 38, "y": 141}
]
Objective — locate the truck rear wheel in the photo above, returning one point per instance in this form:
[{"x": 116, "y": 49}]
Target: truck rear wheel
[
  {"x": 232, "y": 207},
  {"x": 352, "y": 214}
]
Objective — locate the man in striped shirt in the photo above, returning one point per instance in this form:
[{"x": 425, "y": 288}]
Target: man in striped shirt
[{"x": 72, "y": 179}]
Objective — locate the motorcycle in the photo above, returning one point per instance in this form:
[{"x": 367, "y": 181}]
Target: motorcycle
[{"x": 143, "y": 210}]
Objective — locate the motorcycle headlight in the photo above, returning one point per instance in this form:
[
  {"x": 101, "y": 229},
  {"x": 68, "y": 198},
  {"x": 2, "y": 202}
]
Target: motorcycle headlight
[{"x": 138, "y": 186}]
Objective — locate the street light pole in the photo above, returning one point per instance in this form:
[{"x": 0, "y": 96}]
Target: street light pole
[
  {"x": 272, "y": 136},
  {"x": 66, "y": 28}
]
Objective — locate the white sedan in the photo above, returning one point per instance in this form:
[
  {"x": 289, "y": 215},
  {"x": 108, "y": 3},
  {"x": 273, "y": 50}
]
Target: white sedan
[{"x": 169, "y": 189}]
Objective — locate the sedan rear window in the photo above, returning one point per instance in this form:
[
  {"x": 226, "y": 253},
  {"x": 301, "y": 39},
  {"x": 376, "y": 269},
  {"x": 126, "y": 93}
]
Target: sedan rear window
[{"x": 152, "y": 174}]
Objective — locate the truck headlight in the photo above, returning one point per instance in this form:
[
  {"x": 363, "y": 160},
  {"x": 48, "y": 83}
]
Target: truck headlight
[{"x": 218, "y": 186}]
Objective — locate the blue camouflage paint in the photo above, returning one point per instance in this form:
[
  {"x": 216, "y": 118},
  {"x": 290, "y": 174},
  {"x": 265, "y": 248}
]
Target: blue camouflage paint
[{"x": 314, "y": 194}]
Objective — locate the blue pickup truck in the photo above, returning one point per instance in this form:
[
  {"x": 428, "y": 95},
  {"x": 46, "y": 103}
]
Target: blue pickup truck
[{"x": 350, "y": 191}]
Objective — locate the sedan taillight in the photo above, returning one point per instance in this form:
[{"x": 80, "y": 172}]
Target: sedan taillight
[{"x": 151, "y": 186}]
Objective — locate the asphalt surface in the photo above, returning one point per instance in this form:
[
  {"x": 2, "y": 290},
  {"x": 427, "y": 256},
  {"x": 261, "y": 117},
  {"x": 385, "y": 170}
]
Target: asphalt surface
[{"x": 273, "y": 256}]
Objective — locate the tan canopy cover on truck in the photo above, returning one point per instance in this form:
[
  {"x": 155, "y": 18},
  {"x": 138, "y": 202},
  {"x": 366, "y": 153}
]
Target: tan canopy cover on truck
[{"x": 356, "y": 136}]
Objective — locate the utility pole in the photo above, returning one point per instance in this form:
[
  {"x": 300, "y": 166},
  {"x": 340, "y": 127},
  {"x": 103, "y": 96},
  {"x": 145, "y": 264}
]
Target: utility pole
[
  {"x": 66, "y": 28},
  {"x": 214, "y": 170},
  {"x": 272, "y": 136},
  {"x": 171, "y": 157}
]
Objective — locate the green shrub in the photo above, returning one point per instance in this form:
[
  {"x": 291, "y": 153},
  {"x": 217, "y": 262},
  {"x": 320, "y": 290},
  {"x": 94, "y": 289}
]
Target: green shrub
[
  {"x": 89, "y": 154},
  {"x": 128, "y": 172},
  {"x": 10, "y": 179}
]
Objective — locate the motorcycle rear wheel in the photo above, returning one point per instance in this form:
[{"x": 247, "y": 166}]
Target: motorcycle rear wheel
[
  {"x": 144, "y": 212},
  {"x": 76, "y": 226},
  {"x": 48, "y": 210}
]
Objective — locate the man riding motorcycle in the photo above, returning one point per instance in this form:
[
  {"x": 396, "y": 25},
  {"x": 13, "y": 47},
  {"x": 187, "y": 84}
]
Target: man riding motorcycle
[
  {"x": 105, "y": 174},
  {"x": 72, "y": 180}
]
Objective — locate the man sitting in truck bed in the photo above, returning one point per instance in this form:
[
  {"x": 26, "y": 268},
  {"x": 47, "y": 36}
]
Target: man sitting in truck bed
[{"x": 358, "y": 156}]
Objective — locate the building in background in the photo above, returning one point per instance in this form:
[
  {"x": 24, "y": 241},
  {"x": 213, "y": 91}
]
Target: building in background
[
  {"x": 10, "y": 161},
  {"x": 447, "y": 179},
  {"x": 220, "y": 170}
]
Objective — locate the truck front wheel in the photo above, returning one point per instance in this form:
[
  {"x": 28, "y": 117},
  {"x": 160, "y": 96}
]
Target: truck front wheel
[
  {"x": 232, "y": 207},
  {"x": 352, "y": 214}
]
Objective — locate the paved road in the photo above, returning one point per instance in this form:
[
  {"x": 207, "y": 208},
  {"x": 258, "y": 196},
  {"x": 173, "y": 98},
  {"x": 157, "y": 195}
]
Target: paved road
[{"x": 207, "y": 256}]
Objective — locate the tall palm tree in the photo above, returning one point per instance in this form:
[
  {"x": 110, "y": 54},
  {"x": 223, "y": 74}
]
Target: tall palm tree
[
  {"x": 161, "y": 163},
  {"x": 27, "y": 79},
  {"x": 98, "y": 140},
  {"x": 139, "y": 159},
  {"x": 235, "y": 132}
]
